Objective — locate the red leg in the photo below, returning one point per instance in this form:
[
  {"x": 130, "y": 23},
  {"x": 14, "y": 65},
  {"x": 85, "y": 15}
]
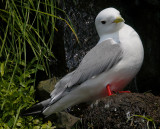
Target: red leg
[{"x": 109, "y": 92}]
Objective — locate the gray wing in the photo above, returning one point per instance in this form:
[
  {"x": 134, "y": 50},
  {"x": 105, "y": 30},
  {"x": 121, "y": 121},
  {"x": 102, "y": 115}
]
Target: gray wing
[
  {"x": 60, "y": 86},
  {"x": 99, "y": 59}
]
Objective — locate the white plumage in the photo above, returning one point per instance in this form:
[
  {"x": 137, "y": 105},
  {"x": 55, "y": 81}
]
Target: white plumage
[{"x": 115, "y": 60}]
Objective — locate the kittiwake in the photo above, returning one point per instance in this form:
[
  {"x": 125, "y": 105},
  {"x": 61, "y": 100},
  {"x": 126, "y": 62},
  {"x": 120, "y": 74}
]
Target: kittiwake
[{"x": 115, "y": 60}]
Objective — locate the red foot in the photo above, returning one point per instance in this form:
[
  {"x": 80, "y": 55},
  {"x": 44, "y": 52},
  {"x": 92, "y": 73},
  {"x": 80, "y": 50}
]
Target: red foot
[
  {"x": 109, "y": 92},
  {"x": 124, "y": 92}
]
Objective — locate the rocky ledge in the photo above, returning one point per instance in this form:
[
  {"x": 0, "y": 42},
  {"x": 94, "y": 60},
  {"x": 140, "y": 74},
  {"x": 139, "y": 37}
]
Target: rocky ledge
[{"x": 125, "y": 110}]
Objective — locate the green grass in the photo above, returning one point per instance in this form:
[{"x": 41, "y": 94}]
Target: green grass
[
  {"x": 147, "y": 118},
  {"x": 26, "y": 28}
]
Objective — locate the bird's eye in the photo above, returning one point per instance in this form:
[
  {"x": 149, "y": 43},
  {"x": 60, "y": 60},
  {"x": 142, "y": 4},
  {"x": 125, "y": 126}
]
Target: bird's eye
[{"x": 103, "y": 22}]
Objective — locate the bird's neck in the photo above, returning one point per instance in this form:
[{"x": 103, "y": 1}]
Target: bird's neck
[{"x": 114, "y": 36}]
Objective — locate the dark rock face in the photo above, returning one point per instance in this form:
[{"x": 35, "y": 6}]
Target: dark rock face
[
  {"x": 82, "y": 18},
  {"x": 142, "y": 15}
]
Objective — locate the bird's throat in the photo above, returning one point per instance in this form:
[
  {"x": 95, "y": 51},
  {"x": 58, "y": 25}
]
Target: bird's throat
[{"x": 114, "y": 36}]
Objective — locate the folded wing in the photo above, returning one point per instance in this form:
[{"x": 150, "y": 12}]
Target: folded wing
[{"x": 99, "y": 59}]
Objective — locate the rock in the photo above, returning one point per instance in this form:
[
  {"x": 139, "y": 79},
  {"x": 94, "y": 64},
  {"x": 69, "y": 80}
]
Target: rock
[
  {"x": 46, "y": 87},
  {"x": 128, "y": 110},
  {"x": 63, "y": 120}
]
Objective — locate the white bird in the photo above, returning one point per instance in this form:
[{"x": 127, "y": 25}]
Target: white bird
[{"x": 114, "y": 61}]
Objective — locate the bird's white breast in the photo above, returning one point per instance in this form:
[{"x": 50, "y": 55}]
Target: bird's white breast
[
  {"x": 132, "y": 46},
  {"x": 122, "y": 73},
  {"x": 132, "y": 60}
]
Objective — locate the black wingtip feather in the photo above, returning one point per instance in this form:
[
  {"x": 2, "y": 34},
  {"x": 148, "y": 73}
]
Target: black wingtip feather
[
  {"x": 37, "y": 109},
  {"x": 34, "y": 110}
]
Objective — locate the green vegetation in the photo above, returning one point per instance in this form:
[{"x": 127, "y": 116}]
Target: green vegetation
[
  {"x": 147, "y": 118},
  {"x": 26, "y": 28}
]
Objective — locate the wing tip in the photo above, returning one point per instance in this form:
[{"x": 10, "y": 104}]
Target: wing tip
[{"x": 34, "y": 110}]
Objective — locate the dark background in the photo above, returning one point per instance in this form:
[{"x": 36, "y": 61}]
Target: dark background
[{"x": 142, "y": 15}]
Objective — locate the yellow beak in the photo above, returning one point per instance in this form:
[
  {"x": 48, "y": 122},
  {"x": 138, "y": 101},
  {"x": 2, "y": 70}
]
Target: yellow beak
[{"x": 118, "y": 19}]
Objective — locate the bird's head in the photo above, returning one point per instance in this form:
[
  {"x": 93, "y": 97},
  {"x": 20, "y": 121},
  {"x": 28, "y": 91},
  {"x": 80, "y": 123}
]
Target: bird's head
[{"x": 108, "y": 21}]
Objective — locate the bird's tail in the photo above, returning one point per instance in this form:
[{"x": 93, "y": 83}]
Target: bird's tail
[{"x": 36, "y": 109}]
